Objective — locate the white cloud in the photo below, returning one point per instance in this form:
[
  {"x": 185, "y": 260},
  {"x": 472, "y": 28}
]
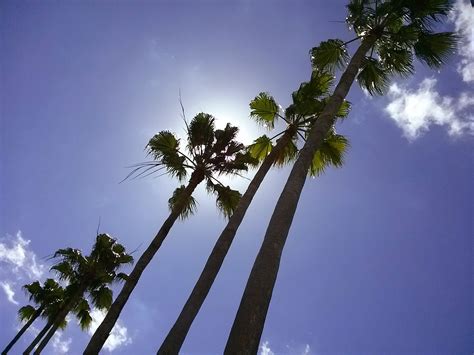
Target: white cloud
[
  {"x": 463, "y": 18},
  {"x": 265, "y": 349},
  {"x": 414, "y": 111},
  {"x": 118, "y": 336},
  {"x": 18, "y": 258},
  {"x": 61, "y": 346},
  {"x": 307, "y": 350},
  {"x": 9, "y": 292}
]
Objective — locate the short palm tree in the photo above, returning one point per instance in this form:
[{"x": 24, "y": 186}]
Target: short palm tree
[
  {"x": 211, "y": 152},
  {"x": 88, "y": 277},
  {"x": 46, "y": 297},
  {"x": 308, "y": 102},
  {"x": 392, "y": 34}
]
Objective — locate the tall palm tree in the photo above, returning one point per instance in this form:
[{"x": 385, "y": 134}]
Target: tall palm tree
[
  {"x": 392, "y": 33},
  {"x": 88, "y": 277},
  {"x": 211, "y": 152},
  {"x": 45, "y": 297},
  {"x": 308, "y": 102}
]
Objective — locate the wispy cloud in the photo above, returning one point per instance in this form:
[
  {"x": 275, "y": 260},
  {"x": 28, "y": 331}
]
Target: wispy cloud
[
  {"x": 118, "y": 336},
  {"x": 265, "y": 349},
  {"x": 61, "y": 346},
  {"x": 463, "y": 18},
  {"x": 298, "y": 350},
  {"x": 415, "y": 111},
  {"x": 7, "y": 288},
  {"x": 17, "y": 258}
]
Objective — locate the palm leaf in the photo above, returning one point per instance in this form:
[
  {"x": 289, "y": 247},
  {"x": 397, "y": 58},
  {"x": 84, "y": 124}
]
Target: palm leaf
[
  {"x": 102, "y": 297},
  {"x": 260, "y": 148},
  {"x": 184, "y": 205},
  {"x": 201, "y": 131},
  {"x": 433, "y": 49},
  {"x": 26, "y": 312},
  {"x": 227, "y": 199},
  {"x": 329, "y": 56},
  {"x": 373, "y": 77},
  {"x": 331, "y": 153},
  {"x": 264, "y": 109}
]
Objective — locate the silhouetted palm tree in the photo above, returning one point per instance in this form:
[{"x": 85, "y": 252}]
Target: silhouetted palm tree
[
  {"x": 46, "y": 299},
  {"x": 211, "y": 152},
  {"x": 308, "y": 102},
  {"x": 87, "y": 277},
  {"x": 392, "y": 33}
]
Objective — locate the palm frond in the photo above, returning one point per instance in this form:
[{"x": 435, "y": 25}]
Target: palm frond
[
  {"x": 329, "y": 56},
  {"x": 164, "y": 147},
  {"x": 201, "y": 131},
  {"x": 433, "y": 49},
  {"x": 102, "y": 297},
  {"x": 287, "y": 154},
  {"x": 227, "y": 199},
  {"x": 373, "y": 77},
  {"x": 185, "y": 205},
  {"x": 264, "y": 109},
  {"x": 25, "y": 313},
  {"x": 260, "y": 148},
  {"x": 331, "y": 153}
]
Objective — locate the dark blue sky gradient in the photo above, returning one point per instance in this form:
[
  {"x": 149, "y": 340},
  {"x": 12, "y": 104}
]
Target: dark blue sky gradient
[{"x": 379, "y": 257}]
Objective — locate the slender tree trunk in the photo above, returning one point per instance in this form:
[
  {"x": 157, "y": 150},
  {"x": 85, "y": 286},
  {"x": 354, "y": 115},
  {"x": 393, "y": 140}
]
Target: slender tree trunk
[
  {"x": 38, "y": 338},
  {"x": 248, "y": 325},
  {"x": 175, "y": 338},
  {"x": 101, "y": 334},
  {"x": 59, "y": 318},
  {"x": 23, "y": 330}
]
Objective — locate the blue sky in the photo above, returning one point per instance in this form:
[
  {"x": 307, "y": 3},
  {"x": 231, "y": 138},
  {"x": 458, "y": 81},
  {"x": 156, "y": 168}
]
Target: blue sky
[{"x": 379, "y": 257}]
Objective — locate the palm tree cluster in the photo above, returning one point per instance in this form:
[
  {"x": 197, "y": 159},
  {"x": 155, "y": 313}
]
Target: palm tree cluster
[
  {"x": 83, "y": 280},
  {"x": 391, "y": 35}
]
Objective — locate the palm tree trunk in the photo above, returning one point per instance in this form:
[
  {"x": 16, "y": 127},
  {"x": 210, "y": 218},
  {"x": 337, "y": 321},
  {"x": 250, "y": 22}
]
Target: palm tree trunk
[
  {"x": 38, "y": 338},
  {"x": 101, "y": 334},
  {"x": 60, "y": 316},
  {"x": 175, "y": 338},
  {"x": 23, "y": 330},
  {"x": 248, "y": 325}
]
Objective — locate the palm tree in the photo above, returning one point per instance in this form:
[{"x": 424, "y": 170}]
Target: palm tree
[
  {"x": 308, "y": 102},
  {"x": 45, "y": 298},
  {"x": 88, "y": 276},
  {"x": 392, "y": 33},
  {"x": 211, "y": 152}
]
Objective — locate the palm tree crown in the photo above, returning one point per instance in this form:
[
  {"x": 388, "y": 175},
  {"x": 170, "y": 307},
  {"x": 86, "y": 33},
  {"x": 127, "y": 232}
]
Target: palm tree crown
[
  {"x": 402, "y": 30},
  {"x": 208, "y": 153},
  {"x": 308, "y": 102}
]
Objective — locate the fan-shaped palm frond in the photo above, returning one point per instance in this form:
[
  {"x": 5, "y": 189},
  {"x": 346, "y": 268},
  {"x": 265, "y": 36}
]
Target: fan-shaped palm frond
[
  {"x": 179, "y": 201},
  {"x": 329, "y": 56},
  {"x": 264, "y": 109},
  {"x": 164, "y": 147},
  {"x": 435, "y": 48},
  {"x": 373, "y": 77},
  {"x": 260, "y": 148},
  {"x": 227, "y": 199},
  {"x": 201, "y": 132},
  {"x": 26, "y": 312},
  {"x": 331, "y": 153}
]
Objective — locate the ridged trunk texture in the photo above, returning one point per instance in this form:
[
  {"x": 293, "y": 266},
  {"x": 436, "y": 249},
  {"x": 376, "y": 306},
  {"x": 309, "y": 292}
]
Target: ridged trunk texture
[
  {"x": 23, "y": 330},
  {"x": 175, "y": 338},
  {"x": 248, "y": 325},
  {"x": 101, "y": 334}
]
